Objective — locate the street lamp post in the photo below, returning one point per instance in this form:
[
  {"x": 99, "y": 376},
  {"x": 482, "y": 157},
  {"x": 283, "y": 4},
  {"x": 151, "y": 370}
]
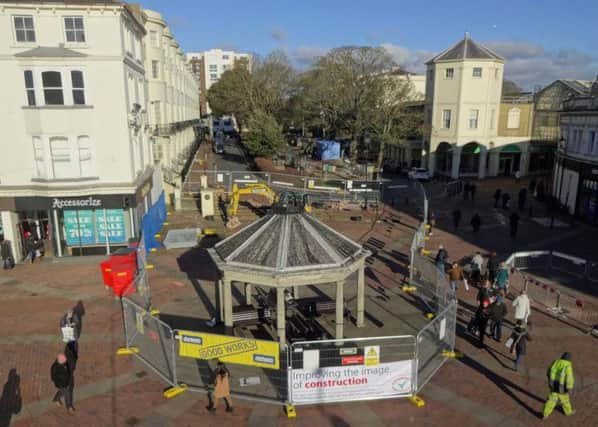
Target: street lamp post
[{"x": 562, "y": 146}]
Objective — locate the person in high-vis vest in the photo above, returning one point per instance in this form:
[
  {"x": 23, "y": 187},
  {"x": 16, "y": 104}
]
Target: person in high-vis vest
[{"x": 560, "y": 381}]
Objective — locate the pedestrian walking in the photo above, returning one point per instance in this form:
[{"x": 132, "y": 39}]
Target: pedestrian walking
[
  {"x": 522, "y": 307},
  {"x": 62, "y": 374},
  {"x": 540, "y": 190},
  {"x": 455, "y": 275},
  {"x": 517, "y": 176},
  {"x": 483, "y": 315},
  {"x": 30, "y": 247},
  {"x": 506, "y": 198},
  {"x": 498, "y": 311},
  {"x": 492, "y": 266},
  {"x": 483, "y": 299},
  {"x": 532, "y": 186},
  {"x": 456, "y": 218},
  {"x": 560, "y": 383},
  {"x": 70, "y": 324},
  {"x": 497, "y": 195},
  {"x": 472, "y": 189},
  {"x": 476, "y": 223},
  {"x": 522, "y": 198},
  {"x": 8, "y": 261},
  {"x": 477, "y": 265},
  {"x": 221, "y": 384},
  {"x": 441, "y": 259},
  {"x": 518, "y": 343},
  {"x": 502, "y": 277},
  {"x": 431, "y": 223},
  {"x": 513, "y": 224}
]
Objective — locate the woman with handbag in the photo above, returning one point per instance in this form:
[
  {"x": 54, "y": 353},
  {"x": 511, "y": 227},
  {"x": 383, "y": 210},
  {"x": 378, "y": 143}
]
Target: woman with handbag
[{"x": 518, "y": 343}]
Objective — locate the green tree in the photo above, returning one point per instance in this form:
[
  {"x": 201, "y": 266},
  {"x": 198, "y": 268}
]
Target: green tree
[
  {"x": 264, "y": 137},
  {"x": 232, "y": 94}
]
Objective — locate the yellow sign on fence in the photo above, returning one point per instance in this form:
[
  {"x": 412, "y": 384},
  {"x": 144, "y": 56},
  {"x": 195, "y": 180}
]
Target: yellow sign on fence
[{"x": 243, "y": 351}]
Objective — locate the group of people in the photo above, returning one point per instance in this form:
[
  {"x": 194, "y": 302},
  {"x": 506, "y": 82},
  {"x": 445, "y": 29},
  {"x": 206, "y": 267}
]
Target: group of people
[{"x": 62, "y": 371}]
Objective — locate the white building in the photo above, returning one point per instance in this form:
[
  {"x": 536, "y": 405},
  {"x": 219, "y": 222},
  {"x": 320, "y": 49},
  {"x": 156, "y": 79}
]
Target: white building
[
  {"x": 173, "y": 99},
  {"x": 463, "y": 97},
  {"x": 76, "y": 167},
  {"x": 575, "y": 179},
  {"x": 208, "y": 66}
]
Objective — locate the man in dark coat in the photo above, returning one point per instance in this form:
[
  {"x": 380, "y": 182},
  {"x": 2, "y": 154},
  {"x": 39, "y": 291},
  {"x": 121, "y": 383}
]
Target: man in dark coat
[
  {"x": 61, "y": 374},
  {"x": 506, "y": 198},
  {"x": 6, "y": 255},
  {"x": 476, "y": 223},
  {"x": 514, "y": 223},
  {"x": 496, "y": 196},
  {"x": 492, "y": 266},
  {"x": 498, "y": 311}
]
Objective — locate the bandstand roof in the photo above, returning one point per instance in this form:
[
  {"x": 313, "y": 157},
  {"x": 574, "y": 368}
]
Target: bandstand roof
[{"x": 280, "y": 244}]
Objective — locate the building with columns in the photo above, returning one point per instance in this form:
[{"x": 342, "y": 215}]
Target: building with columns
[
  {"x": 77, "y": 168},
  {"x": 173, "y": 102},
  {"x": 463, "y": 97}
]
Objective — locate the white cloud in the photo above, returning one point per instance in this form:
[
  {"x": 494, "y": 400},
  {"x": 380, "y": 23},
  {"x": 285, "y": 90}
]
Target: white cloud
[
  {"x": 529, "y": 64},
  {"x": 305, "y": 55},
  {"x": 409, "y": 60}
]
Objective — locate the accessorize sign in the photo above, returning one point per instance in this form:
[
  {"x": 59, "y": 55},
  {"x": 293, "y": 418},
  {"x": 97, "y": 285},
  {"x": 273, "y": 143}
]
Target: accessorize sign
[
  {"x": 88, "y": 202},
  {"x": 346, "y": 383}
]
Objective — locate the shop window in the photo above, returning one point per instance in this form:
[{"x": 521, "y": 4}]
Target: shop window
[
  {"x": 85, "y": 156},
  {"x": 52, "y": 82},
  {"x": 60, "y": 153}
]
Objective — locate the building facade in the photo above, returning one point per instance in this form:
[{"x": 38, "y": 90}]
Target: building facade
[
  {"x": 575, "y": 178},
  {"x": 173, "y": 102},
  {"x": 208, "y": 66},
  {"x": 77, "y": 169}
]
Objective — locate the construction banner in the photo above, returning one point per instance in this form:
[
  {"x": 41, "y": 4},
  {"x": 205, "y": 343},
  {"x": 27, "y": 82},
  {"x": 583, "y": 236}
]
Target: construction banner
[{"x": 242, "y": 351}]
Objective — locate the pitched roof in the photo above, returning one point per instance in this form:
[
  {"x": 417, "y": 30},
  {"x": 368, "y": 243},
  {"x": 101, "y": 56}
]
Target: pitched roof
[
  {"x": 466, "y": 49},
  {"x": 283, "y": 243},
  {"x": 49, "y": 52},
  {"x": 581, "y": 87}
]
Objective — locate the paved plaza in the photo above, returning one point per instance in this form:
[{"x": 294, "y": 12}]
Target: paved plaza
[{"x": 478, "y": 390}]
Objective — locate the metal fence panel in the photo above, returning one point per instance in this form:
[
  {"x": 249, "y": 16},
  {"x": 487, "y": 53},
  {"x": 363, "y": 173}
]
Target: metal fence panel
[
  {"x": 530, "y": 260},
  {"x": 152, "y": 337},
  {"x": 592, "y": 271},
  {"x": 352, "y": 369},
  {"x": 435, "y": 338},
  {"x": 140, "y": 292},
  {"x": 568, "y": 264},
  {"x": 249, "y": 382}
]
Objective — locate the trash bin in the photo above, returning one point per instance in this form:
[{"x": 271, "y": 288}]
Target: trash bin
[
  {"x": 123, "y": 275},
  {"x": 106, "y": 267}
]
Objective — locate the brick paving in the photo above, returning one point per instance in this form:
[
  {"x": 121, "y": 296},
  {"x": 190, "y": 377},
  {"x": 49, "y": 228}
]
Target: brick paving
[{"x": 478, "y": 390}]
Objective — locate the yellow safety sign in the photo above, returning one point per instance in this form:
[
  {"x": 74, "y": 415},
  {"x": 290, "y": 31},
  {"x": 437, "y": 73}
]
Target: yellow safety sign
[
  {"x": 372, "y": 355},
  {"x": 242, "y": 351}
]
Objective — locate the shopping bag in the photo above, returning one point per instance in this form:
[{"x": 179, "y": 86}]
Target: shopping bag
[{"x": 68, "y": 334}]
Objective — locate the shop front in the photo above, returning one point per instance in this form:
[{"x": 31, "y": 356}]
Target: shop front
[{"x": 73, "y": 226}]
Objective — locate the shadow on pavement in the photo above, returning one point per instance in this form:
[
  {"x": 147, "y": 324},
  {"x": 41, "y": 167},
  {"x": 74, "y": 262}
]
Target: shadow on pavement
[{"x": 10, "y": 401}]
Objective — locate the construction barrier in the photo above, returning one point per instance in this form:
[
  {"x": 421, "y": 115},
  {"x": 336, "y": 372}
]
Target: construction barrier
[
  {"x": 152, "y": 223},
  {"x": 556, "y": 283}
]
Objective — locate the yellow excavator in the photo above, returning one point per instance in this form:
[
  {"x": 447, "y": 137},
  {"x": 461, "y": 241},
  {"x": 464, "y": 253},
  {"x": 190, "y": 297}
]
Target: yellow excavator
[{"x": 257, "y": 189}]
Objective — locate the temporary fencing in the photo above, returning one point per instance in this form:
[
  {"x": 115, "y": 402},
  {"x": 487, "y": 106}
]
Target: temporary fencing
[
  {"x": 352, "y": 369},
  {"x": 550, "y": 278},
  {"x": 152, "y": 222}
]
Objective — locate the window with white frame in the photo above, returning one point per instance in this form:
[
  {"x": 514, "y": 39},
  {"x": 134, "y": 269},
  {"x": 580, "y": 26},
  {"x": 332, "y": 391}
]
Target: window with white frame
[
  {"x": 24, "y": 30},
  {"x": 52, "y": 84},
  {"x": 449, "y": 73},
  {"x": 155, "y": 67},
  {"x": 29, "y": 87},
  {"x": 154, "y": 38},
  {"x": 513, "y": 118},
  {"x": 213, "y": 77},
  {"x": 85, "y": 156},
  {"x": 74, "y": 29},
  {"x": 477, "y": 72},
  {"x": 38, "y": 157},
  {"x": 473, "y": 118},
  {"x": 225, "y": 57},
  {"x": 446, "y": 119},
  {"x": 60, "y": 156},
  {"x": 78, "y": 87},
  {"x": 213, "y": 68}
]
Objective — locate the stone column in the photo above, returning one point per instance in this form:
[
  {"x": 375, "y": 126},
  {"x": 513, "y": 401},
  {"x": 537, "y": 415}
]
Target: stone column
[
  {"x": 218, "y": 299},
  {"x": 524, "y": 160},
  {"x": 295, "y": 292},
  {"x": 228, "y": 303},
  {"x": 248, "y": 300},
  {"x": 493, "y": 160},
  {"x": 340, "y": 305},
  {"x": 361, "y": 297},
  {"x": 456, "y": 162},
  {"x": 280, "y": 317}
]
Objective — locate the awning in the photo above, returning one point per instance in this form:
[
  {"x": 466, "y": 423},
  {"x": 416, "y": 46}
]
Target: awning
[
  {"x": 542, "y": 148},
  {"x": 511, "y": 148}
]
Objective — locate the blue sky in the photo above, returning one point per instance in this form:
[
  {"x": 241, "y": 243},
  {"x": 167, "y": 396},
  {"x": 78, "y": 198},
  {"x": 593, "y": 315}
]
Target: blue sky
[{"x": 542, "y": 40}]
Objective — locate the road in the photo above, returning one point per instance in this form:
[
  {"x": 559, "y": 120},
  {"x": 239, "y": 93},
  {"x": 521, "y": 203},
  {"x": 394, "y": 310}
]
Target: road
[{"x": 233, "y": 158}]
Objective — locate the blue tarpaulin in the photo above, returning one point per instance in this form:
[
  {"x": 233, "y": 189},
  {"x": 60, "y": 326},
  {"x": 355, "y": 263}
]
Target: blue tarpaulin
[
  {"x": 328, "y": 150},
  {"x": 152, "y": 223}
]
